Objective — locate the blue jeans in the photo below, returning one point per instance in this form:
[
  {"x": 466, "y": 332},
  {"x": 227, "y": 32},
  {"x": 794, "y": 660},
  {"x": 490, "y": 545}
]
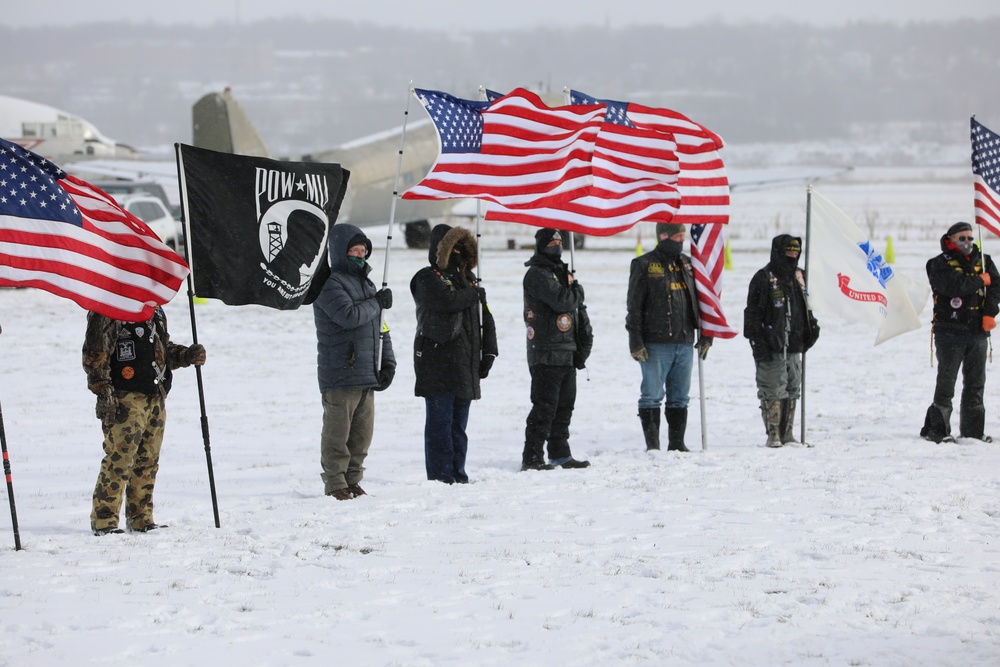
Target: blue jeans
[
  {"x": 445, "y": 440},
  {"x": 667, "y": 372}
]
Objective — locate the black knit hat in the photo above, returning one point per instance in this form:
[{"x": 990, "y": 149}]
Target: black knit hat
[
  {"x": 668, "y": 229},
  {"x": 959, "y": 227}
]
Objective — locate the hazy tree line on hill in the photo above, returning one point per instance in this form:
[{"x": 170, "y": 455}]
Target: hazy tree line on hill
[{"x": 310, "y": 85}]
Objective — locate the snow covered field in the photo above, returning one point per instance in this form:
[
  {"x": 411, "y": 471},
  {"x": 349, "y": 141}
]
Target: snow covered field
[{"x": 872, "y": 548}]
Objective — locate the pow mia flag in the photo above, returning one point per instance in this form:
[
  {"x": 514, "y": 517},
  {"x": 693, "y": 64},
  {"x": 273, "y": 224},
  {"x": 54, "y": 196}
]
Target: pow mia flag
[{"x": 258, "y": 228}]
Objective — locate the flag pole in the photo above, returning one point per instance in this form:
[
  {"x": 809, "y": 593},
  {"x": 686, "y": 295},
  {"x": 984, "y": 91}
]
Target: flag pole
[
  {"x": 194, "y": 333},
  {"x": 392, "y": 221},
  {"x": 802, "y": 382},
  {"x": 701, "y": 399},
  {"x": 10, "y": 484}
]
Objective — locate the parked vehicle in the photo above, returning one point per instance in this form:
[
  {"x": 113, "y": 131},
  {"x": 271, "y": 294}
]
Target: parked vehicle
[{"x": 152, "y": 211}]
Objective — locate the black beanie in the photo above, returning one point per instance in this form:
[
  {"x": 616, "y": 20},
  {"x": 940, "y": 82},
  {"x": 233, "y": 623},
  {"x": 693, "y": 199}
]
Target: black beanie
[{"x": 959, "y": 227}]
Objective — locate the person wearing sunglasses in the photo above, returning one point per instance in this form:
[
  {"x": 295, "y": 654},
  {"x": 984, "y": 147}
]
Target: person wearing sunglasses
[{"x": 966, "y": 289}]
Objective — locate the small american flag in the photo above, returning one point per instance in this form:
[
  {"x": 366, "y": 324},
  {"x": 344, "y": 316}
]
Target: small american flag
[
  {"x": 63, "y": 235},
  {"x": 986, "y": 168},
  {"x": 514, "y": 151},
  {"x": 635, "y": 179},
  {"x": 707, "y": 261}
]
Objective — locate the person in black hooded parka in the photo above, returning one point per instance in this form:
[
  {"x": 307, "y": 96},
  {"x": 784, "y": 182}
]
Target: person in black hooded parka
[
  {"x": 780, "y": 327},
  {"x": 454, "y": 348}
]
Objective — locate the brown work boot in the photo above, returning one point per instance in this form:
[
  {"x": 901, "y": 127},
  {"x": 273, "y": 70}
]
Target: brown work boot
[
  {"x": 341, "y": 494},
  {"x": 356, "y": 490}
]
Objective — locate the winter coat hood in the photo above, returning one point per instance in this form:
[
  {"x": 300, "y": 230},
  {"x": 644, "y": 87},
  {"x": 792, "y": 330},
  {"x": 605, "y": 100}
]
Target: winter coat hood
[
  {"x": 781, "y": 264},
  {"x": 444, "y": 240},
  {"x": 342, "y": 237}
]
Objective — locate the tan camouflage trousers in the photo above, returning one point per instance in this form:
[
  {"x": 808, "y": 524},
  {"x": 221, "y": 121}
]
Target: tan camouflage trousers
[{"x": 131, "y": 459}]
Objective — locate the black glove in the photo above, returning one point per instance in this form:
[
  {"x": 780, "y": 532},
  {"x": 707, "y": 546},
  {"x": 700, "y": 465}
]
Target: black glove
[
  {"x": 482, "y": 295},
  {"x": 485, "y": 365},
  {"x": 384, "y": 298},
  {"x": 385, "y": 377},
  {"x": 194, "y": 355},
  {"x": 107, "y": 405},
  {"x": 704, "y": 342}
]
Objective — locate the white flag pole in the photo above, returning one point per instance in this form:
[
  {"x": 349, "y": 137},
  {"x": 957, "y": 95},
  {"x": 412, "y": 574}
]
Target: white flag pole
[
  {"x": 392, "y": 220},
  {"x": 802, "y": 383}
]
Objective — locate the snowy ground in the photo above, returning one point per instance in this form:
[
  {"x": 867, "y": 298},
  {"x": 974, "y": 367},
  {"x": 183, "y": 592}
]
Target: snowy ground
[{"x": 872, "y": 548}]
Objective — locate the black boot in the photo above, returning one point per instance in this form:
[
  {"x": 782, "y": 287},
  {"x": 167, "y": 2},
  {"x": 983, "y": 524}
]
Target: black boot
[
  {"x": 650, "y": 419},
  {"x": 936, "y": 427},
  {"x": 677, "y": 420}
]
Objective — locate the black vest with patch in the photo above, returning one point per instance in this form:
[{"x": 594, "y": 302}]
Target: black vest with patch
[{"x": 139, "y": 361}]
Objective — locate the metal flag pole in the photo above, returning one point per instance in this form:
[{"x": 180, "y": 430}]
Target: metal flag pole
[
  {"x": 701, "y": 399},
  {"x": 802, "y": 382},
  {"x": 392, "y": 221},
  {"x": 206, "y": 438},
  {"x": 10, "y": 484}
]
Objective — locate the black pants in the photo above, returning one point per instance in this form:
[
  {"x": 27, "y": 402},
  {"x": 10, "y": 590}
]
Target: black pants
[
  {"x": 971, "y": 359},
  {"x": 553, "y": 395}
]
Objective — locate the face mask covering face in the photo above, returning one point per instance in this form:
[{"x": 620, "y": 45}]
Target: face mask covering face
[{"x": 356, "y": 261}]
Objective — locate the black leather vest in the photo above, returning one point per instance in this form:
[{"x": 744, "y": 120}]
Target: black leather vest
[{"x": 139, "y": 361}]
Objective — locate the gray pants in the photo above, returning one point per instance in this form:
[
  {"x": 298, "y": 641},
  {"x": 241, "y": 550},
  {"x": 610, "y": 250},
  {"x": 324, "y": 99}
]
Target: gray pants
[
  {"x": 348, "y": 423},
  {"x": 779, "y": 378}
]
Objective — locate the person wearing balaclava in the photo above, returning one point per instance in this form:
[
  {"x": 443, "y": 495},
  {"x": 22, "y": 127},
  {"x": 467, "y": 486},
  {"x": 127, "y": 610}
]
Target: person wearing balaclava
[
  {"x": 559, "y": 340},
  {"x": 780, "y": 327},
  {"x": 453, "y": 349},
  {"x": 662, "y": 324},
  {"x": 966, "y": 291}
]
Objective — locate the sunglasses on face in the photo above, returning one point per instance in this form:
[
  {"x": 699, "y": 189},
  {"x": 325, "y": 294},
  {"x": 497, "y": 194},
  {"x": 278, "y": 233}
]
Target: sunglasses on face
[{"x": 966, "y": 238}]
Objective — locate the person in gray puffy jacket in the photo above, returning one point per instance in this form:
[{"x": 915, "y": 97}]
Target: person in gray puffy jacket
[{"x": 348, "y": 314}]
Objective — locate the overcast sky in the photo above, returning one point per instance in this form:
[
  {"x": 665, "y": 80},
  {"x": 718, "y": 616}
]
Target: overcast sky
[{"x": 480, "y": 15}]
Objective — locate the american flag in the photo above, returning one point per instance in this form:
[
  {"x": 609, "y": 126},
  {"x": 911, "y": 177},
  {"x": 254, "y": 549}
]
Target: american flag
[
  {"x": 635, "y": 179},
  {"x": 515, "y": 151},
  {"x": 702, "y": 182},
  {"x": 986, "y": 168},
  {"x": 707, "y": 261},
  {"x": 63, "y": 235}
]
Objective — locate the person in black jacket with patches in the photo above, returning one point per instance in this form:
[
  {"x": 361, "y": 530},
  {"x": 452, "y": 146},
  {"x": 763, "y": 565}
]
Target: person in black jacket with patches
[
  {"x": 966, "y": 289},
  {"x": 780, "y": 327},
  {"x": 454, "y": 348},
  {"x": 662, "y": 323},
  {"x": 559, "y": 341}
]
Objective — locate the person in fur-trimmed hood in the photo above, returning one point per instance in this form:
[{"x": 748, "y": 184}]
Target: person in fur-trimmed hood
[{"x": 454, "y": 348}]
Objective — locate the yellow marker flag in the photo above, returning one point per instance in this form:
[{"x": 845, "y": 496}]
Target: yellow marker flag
[
  {"x": 890, "y": 252},
  {"x": 727, "y": 258}
]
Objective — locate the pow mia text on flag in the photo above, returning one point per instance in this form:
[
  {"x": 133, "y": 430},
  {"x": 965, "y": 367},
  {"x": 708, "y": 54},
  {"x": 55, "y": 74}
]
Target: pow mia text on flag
[{"x": 259, "y": 227}]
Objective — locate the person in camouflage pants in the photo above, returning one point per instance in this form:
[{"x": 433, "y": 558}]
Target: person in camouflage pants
[{"x": 129, "y": 367}]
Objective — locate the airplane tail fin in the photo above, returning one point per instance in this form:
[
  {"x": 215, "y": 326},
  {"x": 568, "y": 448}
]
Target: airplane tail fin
[{"x": 219, "y": 123}]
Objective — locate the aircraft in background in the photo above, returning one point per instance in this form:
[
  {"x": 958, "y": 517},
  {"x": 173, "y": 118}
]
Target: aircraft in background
[{"x": 219, "y": 123}]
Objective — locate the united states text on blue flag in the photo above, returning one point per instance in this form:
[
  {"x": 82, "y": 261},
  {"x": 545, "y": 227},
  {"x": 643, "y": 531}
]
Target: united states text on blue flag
[
  {"x": 514, "y": 151},
  {"x": 986, "y": 169},
  {"x": 65, "y": 236}
]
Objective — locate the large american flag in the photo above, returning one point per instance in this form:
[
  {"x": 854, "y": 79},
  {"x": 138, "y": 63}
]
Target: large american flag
[
  {"x": 986, "y": 168},
  {"x": 707, "y": 261},
  {"x": 63, "y": 235},
  {"x": 704, "y": 190},
  {"x": 635, "y": 179},
  {"x": 515, "y": 151}
]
